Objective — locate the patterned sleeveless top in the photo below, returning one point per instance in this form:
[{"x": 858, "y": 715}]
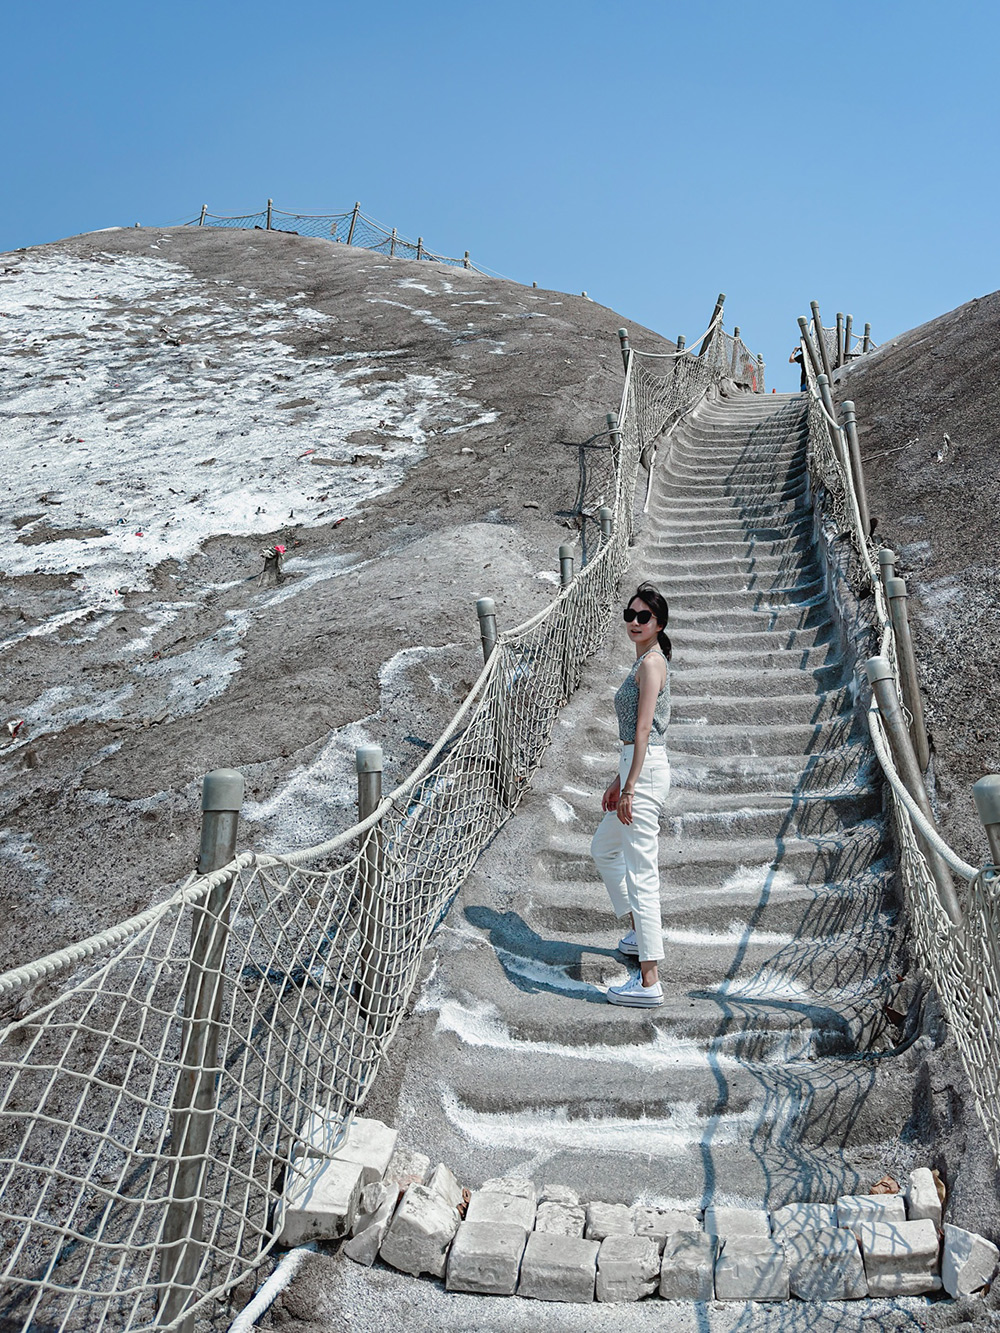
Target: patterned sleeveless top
[{"x": 627, "y": 706}]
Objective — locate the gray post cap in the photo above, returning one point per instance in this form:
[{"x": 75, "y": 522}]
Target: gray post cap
[
  {"x": 821, "y": 378},
  {"x": 886, "y": 556},
  {"x": 896, "y": 588},
  {"x": 222, "y": 789},
  {"x": 605, "y": 511},
  {"x": 623, "y": 333},
  {"x": 566, "y": 551},
  {"x": 368, "y": 758},
  {"x": 485, "y": 606},
  {"x": 847, "y": 407},
  {"x": 612, "y": 421},
  {"x": 878, "y": 668},
  {"x": 986, "y": 794}
]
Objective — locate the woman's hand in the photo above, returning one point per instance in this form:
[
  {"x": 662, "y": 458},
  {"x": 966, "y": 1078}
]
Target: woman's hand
[
  {"x": 609, "y": 801},
  {"x": 624, "y": 807}
]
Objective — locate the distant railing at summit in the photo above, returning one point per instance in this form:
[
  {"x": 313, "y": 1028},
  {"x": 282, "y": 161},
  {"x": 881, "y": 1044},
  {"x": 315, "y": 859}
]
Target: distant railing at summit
[{"x": 351, "y": 228}]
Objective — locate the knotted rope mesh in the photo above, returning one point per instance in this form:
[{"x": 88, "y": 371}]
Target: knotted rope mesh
[
  {"x": 351, "y": 228},
  {"x": 141, "y": 1176},
  {"x": 962, "y": 958}
]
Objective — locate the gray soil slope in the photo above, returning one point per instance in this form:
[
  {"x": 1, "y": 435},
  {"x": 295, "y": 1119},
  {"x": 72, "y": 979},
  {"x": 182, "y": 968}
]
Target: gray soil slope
[
  {"x": 456, "y": 393},
  {"x": 937, "y": 502}
]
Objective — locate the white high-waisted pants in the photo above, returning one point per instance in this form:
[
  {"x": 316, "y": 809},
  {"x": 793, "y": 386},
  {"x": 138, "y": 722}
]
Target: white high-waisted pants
[{"x": 627, "y": 854}]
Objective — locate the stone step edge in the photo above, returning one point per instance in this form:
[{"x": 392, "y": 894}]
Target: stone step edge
[{"x": 393, "y": 1206}]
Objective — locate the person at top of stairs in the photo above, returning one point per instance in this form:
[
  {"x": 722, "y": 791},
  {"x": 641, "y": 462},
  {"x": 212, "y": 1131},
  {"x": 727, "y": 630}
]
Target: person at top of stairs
[{"x": 626, "y": 844}]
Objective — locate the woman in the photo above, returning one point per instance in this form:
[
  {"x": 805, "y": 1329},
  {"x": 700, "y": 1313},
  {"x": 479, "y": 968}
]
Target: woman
[{"x": 625, "y": 846}]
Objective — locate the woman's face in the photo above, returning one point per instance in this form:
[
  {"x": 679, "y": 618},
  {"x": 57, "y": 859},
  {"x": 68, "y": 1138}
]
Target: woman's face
[{"x": 642, "y": 635}]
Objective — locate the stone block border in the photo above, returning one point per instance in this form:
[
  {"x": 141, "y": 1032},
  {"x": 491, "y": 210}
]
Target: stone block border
[{"x": 511, "y": 1237}]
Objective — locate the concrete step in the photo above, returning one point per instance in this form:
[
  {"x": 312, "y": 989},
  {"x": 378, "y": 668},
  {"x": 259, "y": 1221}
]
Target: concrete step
[
  {"x": 708, "y": 861},
  {"x": 751, "y": 897},
  {"x": 777, "y": 741}
]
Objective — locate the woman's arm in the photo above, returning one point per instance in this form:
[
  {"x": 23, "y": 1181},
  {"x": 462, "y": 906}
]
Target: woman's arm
[{"x": 651, "y": 678}]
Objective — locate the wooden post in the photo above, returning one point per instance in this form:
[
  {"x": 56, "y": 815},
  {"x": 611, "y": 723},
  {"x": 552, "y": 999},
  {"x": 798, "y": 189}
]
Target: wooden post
[
  {"x": 887, "y": 564},
  {"x": 565, "y": 565},
  {"x": 736, "y": 350},
  {"x": 354, "y": 220},
  {"x": 392, "y": 244},
  {"x": 706, "y": 342},
  {"x": 857, "y": 468},
  {"x": 374, "y": 1002},
  {"x": 465, "y": 261},
  {"x": 760, "y": 373},
  {"x": 194, "y": 1102},
  {"x": 269, "y": 206},
  {"x": 837, "y": 441},
  {"x": 905, "y": 656},
  {"x": 866, "y": 344},
  {"x": 847, "y": 337},
  {"x": 884, "y": 688},
  {"x": 204, "y": 210},
  {"x": 823, "y": 351},
  {"x": 838, "y": 359},
  {"x": 811, "y": 352},
  {"x": 625, "y": 346},
  {"x": 986, "y": 794},
  {"x": 420, "y": 247}
]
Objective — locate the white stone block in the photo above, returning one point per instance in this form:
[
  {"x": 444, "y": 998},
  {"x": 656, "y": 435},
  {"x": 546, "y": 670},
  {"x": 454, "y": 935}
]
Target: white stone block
[
  {"x": 420, "y": 1232},
  {"x": 922, "y": 1198},
  {"x": 659, "y": 1223},
  {"x": 824, "y": 1265},
  {"x": 560, "y": 1219},
  {"x": 559, "y": 1194},
  {"x": 968, "y": 1261},
  {"x": 443, "y": 1182},
  {"x": 558, "y": 1268},
  {"x": 321, "y": 1200},
  {"x": 687, "y": 1270},
  {"x": 407, "y": 1168},
  {"x": 855, "y": 1210},
  {"x": 516, "y": 1186},
  {"x": 901, "y": 1258},
  {"x": 628, "y": 1268},
  {"x": 796, "y": 1217},
  {"x": 367, "y": 1142},
  {"x": 726, "y": 1222},
  {"x": 369, "y": 1232},
  {"x": 608, "y": 1219},
  {"x": 485, "y": 1257},
  {"x": 494, "y": 1208},
  {"x": 373, "y": 1196},
  {"x": 751, "y": 1268}
]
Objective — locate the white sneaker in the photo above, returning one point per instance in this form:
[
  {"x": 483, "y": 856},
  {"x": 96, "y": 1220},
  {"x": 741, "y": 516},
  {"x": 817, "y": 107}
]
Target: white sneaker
[
  {"x": 635, "y": 994},
  {"x": 628, "y": 946}
]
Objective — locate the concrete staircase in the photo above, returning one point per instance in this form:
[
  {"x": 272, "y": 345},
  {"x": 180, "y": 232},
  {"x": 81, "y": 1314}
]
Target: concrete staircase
[{"x": 750, "y": 1084}]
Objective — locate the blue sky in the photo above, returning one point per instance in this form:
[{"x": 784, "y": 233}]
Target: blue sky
[{"x": 652, "y": 154}]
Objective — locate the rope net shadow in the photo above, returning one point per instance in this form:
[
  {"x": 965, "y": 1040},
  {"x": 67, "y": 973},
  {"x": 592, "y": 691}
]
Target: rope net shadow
[
  {"x": 962, "y": 958},
  {"x": 109, "y": 1217}
]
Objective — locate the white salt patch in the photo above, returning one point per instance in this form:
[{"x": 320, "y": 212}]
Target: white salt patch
[
  {"x": 204, "y": 671},
  {"x": 80, "y": 703},
  {"x": 551, "y": 1130},
  {"x": 480, "y": 1025},
  {"x": 19, "y": 849},
  {"x": 562, "y": 811},
  {"x": 319, "y": 799},
  {"x": 125, "y": 375},
  {"x": 555, "y": 976},
  {"x": 736, "y": 934},
  {"x": 548, "y": 576},
  {"x": 773, "y": 985}
]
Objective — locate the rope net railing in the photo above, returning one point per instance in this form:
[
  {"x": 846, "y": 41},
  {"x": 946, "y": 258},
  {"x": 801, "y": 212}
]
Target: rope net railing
[
  {"x": 962, "y": 957},
  {"x": 351, "y": 228},
  {"x": 249, "y": 1011}
]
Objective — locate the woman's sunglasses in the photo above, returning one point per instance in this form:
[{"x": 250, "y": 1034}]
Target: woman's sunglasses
[{"x": 643, "y": 617}]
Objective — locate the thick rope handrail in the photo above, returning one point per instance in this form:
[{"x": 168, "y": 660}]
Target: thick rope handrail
[
  {"x": 685, "y": 351},
  {"x": 926, "y": 829}
]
